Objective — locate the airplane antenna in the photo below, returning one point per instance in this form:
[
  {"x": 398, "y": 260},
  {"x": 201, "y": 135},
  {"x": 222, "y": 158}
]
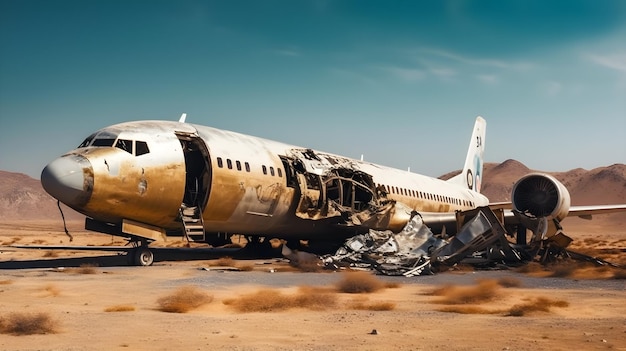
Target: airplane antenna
[{"x": 182, "y": 118}]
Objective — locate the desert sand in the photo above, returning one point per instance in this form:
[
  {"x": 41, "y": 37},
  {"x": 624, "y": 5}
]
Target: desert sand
[{"x": 106, "y": 305}]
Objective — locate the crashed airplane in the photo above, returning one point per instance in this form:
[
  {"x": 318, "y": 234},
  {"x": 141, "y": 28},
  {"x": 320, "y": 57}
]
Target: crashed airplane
[{"x": 149, "y": 180}]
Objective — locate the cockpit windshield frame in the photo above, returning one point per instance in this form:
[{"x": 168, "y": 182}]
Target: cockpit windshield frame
[{"x": 110, "y": 139}]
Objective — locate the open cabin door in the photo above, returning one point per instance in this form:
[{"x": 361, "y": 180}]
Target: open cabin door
[{"x": 197, "y": 184}]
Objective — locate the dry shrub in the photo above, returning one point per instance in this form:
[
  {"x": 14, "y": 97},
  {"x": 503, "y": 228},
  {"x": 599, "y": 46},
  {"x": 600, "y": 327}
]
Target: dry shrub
[
  {"x": 52, "y": 290},
  {"x": 245, "y": 267},
  {"x": 392, "y": 285},
  {"x": 486, "y": 290},
  {"x": 229, "y": 262},
  {"x": 562, "y": 270},
  {"x": 580, "y": 270},
  {"x": 120, "y": 308},
  {"x": 177, "y": 243},
  {"x": 6, "y": 282},
  {"x": 307, "y": 266},
  {"x": 539, "y": 304},
  {"x": 364, "y": 304},
  {"x": 509, "y": 282},
  {"x": 50, "y": 254},
  {"x": 27, "y": 324},
  {"x": 85, "y": 268},
  {"x": 575, "y": 270},
  {"x": 314, "y": 298},
  {"x": 532, "y": 267},
  {"x": 266, "y": 300},
  {"x": 465, "y": 309},
  {"x": 269, "y": 300},
  {"x": 184, "y": 299},
  {"x": 462, "y": 267},
  {"x": 359, "y": 282},
  {"x": 223, "y": 262},
  {"x": 619, "y": 273}
]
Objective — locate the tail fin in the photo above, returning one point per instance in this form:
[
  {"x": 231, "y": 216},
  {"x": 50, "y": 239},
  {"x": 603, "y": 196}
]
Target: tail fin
[{"x": 472, "y": 174}]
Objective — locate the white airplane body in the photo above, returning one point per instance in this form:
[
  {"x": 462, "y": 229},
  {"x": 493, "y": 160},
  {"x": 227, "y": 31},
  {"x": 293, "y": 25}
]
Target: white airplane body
[{"x": 146, "y": 179}]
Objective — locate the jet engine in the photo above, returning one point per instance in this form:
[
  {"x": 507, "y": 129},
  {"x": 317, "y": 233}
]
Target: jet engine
[{"x": 540, "y": 195}]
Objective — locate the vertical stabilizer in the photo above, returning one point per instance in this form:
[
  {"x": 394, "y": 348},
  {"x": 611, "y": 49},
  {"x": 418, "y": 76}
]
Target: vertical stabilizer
[{"x": 472, "y": 173}]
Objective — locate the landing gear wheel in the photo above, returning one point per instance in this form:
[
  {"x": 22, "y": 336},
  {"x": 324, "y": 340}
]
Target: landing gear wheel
[{"x": 142, "y": 256}]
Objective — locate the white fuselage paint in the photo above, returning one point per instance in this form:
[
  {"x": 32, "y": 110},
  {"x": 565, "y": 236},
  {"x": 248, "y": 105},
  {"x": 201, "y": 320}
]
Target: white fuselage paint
[{"x": 240, "y": 201}]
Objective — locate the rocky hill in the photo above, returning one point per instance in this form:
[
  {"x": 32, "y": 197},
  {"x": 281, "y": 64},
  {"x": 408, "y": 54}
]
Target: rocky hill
[{"x": 23, "y": 198}]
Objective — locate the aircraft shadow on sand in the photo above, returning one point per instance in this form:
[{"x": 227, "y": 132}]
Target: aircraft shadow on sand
[{"x": 121, "y": 259}]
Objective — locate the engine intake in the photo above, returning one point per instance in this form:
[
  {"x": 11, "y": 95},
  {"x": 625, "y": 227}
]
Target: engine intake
[{"x": 541, "y": 195}]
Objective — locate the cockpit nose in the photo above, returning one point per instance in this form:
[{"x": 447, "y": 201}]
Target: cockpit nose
[{"x": 69, "y": 179}]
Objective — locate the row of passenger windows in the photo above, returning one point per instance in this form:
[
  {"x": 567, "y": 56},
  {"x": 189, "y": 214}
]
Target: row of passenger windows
[
  {"x": 425, "y": 195},
  {"x": 237, "y": 165},
  {"x": 388, "y": 188}
]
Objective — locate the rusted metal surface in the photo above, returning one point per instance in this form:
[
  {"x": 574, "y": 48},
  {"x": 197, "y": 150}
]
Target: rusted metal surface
[{"x": 144, "y": 188}]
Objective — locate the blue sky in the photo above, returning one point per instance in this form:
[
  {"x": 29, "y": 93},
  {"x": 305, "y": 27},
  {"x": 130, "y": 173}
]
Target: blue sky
[{"x": 398, "y": 81}]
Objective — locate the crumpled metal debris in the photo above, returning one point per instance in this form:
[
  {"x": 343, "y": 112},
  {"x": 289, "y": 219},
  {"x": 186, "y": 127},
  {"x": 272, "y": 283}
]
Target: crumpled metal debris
[
  {"x": 481, "y": 241},
  {"x": 415, "y": 250}
]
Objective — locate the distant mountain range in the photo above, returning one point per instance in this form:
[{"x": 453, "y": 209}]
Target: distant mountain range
[
  {"x": 602, "y": 185},
  {"x": 23, "y": 198}
]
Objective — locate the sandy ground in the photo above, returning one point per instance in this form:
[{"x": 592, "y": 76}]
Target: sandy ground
[{"x": 76, "y": 299}]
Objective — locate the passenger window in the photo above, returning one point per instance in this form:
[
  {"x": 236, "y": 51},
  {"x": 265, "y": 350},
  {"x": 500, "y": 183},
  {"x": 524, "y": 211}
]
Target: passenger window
[
  {"x": 220, "y": 163},
  {"x": 272, "y": 171},
  {"x": 264, "y": 169},
  {"x": 247, "y": 167},
  {"x": 126, "y": 145},
  {"x": 141, "y": 148},
  {"x": 280, "y": 172},
  {"x": 238, "y": 164},
  {"x": 229, "y": 163}
]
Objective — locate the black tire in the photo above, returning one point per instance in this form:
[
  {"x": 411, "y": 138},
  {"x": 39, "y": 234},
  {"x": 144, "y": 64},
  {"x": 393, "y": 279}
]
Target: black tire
[{"x": 143, "y": 256}]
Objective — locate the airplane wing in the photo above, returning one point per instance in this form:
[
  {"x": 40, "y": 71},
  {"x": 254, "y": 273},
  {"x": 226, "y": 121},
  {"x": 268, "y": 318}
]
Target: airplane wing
[
  {"x": 579, "y": 211},
  {"x": 587, "y": 211},
  {"x": 507, "y": 205}
]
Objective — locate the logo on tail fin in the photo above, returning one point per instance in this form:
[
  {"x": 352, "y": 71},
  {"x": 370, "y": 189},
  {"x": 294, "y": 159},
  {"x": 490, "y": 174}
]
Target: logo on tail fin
[{"x": 471, "y": 175}]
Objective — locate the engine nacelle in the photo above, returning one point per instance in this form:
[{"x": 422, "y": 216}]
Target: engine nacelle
[{"x": 541, "y": 195}]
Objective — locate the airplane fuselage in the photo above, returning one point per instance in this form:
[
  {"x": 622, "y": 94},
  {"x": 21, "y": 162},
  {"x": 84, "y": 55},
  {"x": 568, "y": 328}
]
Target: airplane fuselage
[{"x": 143, "y": 172}]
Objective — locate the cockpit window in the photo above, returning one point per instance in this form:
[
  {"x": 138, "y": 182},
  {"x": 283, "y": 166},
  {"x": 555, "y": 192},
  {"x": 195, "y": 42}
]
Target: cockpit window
[
  {"x": 103, "y": 142},
  {"x": 107, "y": 139},
  {"x": 141, "y": 148},
  {"x": 87, "y": 141},
  {"x": 126, "y": 145},
  {"x": 104, "y": 138}
]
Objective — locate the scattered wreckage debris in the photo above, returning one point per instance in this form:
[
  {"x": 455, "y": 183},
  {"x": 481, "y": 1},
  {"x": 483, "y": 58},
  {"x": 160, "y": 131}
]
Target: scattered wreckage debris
[
  {"x": 481, "y": 242},
  {"x": 398, "y": 241}
]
